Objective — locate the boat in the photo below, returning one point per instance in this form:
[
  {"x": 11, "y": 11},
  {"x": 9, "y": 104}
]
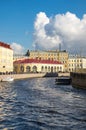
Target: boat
[
  {"x": 63, "y": 80},
  {"x": 7, "y": 79}
]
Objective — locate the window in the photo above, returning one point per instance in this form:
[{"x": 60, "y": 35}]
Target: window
[
  {"x": 55, "y": 69},
  {"x": 42, "y": 69},
  {"x": 22, "y": 68},
  {"x": 28, "y": 69},
  {"x": 45, "y": 68},
  {"x": 34, "y": 69},
  {"x": 48, "y": 68},
  {"x": 51, "y": 69}
]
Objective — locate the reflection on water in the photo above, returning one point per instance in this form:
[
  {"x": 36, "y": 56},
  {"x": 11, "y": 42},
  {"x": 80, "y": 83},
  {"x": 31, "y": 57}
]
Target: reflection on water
[{"x": 39, "y": 104}]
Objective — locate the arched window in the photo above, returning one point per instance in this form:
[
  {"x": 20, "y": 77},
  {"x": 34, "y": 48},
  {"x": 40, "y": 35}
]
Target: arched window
[
  {"x": 60, "y": 68},
  {"x": 28, "y": 69},
  {"x": 45, "y": 68},
  {"x": 48, "y": 68},
  {"x": 22, "y": 69},
  {"x": 55, "y": 69},
  {"x": 51, "y": 69},
  {"x": 42, "y": 69},
  {"x": 34, "y": 69}
]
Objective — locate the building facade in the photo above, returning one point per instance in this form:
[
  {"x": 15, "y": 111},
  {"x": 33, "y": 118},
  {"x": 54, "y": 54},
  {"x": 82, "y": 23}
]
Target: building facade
[
  {"x": 76, "y": 63},
  {"x": 6, "y": 58},
  {"x": 61, "y": 56},
  {"x": 37, "y": 66},
  {"x": 19, "y": 57}
]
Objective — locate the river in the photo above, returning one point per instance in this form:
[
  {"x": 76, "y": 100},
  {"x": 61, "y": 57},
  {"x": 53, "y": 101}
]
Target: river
[{"x": 39, "y": 104}]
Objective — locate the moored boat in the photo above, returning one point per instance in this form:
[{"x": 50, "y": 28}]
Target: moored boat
[
  {"x": 7, "y": 79},
  {"x": 63, "y": 80}
]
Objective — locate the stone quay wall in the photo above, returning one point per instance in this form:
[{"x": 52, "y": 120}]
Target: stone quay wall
[
  {"x": 22, "y": 76},
  {"x": 79, "y": 80},
  {"x": 32, "y": 75}
]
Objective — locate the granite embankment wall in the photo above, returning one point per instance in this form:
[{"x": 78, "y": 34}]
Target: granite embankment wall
[
  {"x": 79, "y": 80},
  {"x": 33, "y": 75},
  {"x": 23, "y": 76}
]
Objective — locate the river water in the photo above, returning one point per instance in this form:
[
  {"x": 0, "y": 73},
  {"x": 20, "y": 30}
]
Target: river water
[{"x": 39, "y": 104}]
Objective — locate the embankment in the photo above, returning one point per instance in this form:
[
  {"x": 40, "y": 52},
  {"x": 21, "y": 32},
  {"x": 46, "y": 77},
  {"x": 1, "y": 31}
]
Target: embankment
[
  {"x": 79, "y": 80},
  {"x": 23, "y": 76},
  {"x": 33, "y": 75}
]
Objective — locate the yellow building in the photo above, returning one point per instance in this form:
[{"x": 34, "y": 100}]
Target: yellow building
[
  {"x": 76, "y": 63},
  {"x": 61, "y": 56},
  {"x": 6, "y": 58},
  {"x": 44, "y": 55},
  {"x": 19, "y": 57},
  {"x": 39, "y": 66}
]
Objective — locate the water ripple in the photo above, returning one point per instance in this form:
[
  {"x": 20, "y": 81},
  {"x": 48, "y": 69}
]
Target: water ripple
[{"x": 39, "y": 104}]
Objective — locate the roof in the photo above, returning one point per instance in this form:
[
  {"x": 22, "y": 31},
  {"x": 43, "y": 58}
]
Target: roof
[
  {"x": 44, "y": 51},
  {"x": 36, "y": 61},
  {"x": 2, "y": 44}
]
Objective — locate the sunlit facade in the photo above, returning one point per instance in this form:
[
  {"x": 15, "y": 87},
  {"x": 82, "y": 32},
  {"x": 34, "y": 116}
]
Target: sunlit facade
[
  {"x": 76, "y": 63},
  {"x": 61, "y": 56},
  {"x": 6, "y": 58},
  {"x": 37, "y": 66},
  {"x": 19, "y": 57}
]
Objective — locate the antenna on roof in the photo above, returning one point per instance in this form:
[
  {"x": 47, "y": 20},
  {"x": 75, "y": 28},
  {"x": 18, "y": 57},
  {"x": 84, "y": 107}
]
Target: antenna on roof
[{"x": 59, "y": 46}]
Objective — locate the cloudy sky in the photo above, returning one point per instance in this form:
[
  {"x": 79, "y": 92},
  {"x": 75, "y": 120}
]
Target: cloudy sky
[{"x": 44, "y": 25}]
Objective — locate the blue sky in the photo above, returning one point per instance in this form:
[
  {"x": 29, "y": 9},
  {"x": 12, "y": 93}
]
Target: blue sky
[{"x": 17, "y": 17}]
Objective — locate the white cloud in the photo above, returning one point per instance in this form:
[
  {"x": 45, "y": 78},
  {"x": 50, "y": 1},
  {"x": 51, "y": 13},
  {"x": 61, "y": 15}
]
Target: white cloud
[
  {"x": 67, "y": 29},
  {"x": 17, "y": 48}
]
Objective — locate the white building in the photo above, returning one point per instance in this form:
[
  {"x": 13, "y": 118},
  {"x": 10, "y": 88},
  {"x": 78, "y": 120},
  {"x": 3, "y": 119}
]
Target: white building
[
  {"x": 76, "y": 62},
  {"x": 6, "y": 58},
  {"x": 35, "y": 65}
]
